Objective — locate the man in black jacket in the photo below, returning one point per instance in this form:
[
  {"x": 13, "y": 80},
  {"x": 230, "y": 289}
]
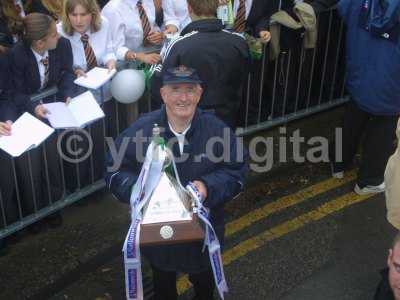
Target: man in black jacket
[{"x": 221, "y": 59}]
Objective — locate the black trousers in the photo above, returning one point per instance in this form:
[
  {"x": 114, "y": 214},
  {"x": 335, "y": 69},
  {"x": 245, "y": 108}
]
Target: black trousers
[
  {"x": 165, "y": 284},
  {"x": 376, "y": 134}
]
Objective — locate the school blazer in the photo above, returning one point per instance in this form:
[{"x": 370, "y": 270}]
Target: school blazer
[
  {"x": 259, "y": 16},
  {"x": 7, "y": 108},
  {"x": 26, "y": 77}
]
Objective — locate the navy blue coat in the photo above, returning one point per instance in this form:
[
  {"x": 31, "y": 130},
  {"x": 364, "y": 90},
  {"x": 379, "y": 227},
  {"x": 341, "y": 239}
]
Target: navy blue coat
[
  {"x": 259, "y": 15},
  {"x": 26, "y": 77},
  {"x": 223, "y": 180}
]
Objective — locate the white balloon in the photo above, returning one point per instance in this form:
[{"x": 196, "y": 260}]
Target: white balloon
[{"x": 128, "y": 86}]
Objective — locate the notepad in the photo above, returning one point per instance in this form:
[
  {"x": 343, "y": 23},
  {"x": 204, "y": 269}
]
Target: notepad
[
  {"x": 26, "y": 133},
  {"x": 81, "y": 111},
  {"x": 95, "y": 78}
]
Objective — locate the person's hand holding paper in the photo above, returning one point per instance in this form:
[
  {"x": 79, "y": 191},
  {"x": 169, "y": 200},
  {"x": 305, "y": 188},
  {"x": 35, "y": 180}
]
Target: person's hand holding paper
[
  {"x": 5, "y": 128},
  {"x": 111, "y": 65},
  {"x": 41, "y": 111}
]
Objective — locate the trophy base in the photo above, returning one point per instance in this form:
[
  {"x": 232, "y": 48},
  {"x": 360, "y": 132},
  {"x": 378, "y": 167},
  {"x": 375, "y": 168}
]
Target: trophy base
[{"x": 171, "y": 232}]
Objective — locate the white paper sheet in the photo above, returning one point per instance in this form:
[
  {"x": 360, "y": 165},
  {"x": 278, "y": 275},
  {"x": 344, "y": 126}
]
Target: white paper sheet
[
  {"x": 95, "y": 78},
  {"x": 27, "y": 132},
  {"x": 85, "y": 109},
  {"x": 81, "y": 111},
  {"x": 60, "y": 116}
]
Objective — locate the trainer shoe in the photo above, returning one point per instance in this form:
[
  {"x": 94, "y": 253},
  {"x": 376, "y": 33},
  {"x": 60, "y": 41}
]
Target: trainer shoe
[{"x": 370, "y": 189}]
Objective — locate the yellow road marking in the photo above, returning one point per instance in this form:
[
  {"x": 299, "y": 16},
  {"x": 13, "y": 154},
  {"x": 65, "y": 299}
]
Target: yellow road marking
[
  {"x": 273, "y": 233},
  {"x": 285, "y": 202}
]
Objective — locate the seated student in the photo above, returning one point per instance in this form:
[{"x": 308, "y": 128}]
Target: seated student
[
  {"x": 176, "y": 15},
  {"x": 40, "y": 61},
  {"x": 43, "y": 60},
  {"x": 89, "y": 34},
  {"x": 133, "y": 28},
  {"x": 23, "y": 173},
  {"x": 52, "y": 8},
  {"x": 90, "y": 38}
]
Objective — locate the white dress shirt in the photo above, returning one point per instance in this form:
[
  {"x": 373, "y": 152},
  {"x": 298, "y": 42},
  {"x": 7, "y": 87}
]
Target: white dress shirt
[
  {"x": 125, "y": 24},
  {"x": 176, "y": 13},
  {"x": 40, "y": 65},
  {"x": 180, "y": 136},
  {"x": 247, "y": 4},
  {"x": 100, "y": 42},
  {"x": 103, "y": 49}
]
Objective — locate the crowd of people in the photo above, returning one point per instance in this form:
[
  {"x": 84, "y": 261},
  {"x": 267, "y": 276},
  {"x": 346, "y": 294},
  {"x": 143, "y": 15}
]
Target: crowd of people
[{"x": 49, "y": 43}]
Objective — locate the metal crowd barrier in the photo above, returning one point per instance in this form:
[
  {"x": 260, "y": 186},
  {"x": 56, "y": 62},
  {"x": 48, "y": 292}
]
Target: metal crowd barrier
[
  {"x": 300, "y": 82},
  {"x": 297, "y": 84}
]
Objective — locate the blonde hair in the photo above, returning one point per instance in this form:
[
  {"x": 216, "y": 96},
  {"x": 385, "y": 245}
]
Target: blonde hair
[
  {"x": 12, "y": 17},
  {"x": 37, "y": 26},
  {"x": 54, "y": 7},
  {"x": 91, "y": 7}
]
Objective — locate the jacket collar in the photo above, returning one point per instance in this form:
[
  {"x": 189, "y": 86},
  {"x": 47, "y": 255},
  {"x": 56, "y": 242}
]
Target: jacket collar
[{"x": 204, "y": 25}]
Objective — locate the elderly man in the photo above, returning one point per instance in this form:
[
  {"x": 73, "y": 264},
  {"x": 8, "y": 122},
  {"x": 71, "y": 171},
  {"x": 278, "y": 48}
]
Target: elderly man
[
  {"x": 389, "y": 287},
  {"x": 217, "y": 170}
]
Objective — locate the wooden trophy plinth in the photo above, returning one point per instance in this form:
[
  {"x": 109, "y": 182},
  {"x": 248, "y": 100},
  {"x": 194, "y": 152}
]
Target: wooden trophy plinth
[
  {"x": 171, "y": 232},
  {"x": 168, "y": 217}
]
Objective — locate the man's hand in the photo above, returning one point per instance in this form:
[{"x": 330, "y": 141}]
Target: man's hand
[
  {"x": 170, "y": 29},
  {"x": 111, "y": 65},
  {"x": 41, "y": 111},
  {"x": 155, "y": 37},
  {"x": 5, "y": 128},
  {"x": 201, "y": 187},
  {"x": 151, "y": 58},
  {"x": 265, "y": 36}
]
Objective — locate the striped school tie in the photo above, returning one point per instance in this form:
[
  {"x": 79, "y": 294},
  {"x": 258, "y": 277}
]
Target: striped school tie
[
  {"x": 145, "y": 21},
  {"x": 45, "y": 62},
  {"x": 240, "y": 21},
  {"x": 91, "y": 61}
]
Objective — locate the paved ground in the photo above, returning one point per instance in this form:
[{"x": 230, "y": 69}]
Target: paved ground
[{"x": 295, "y": 233}]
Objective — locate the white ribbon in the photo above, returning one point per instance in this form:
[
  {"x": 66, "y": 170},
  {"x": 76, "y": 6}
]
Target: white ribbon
[
  {"x": 147, "y": 181},
  {"x": 211, "y": 241}
]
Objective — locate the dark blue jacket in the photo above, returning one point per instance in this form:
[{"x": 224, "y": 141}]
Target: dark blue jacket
[
  {"x": 224, "y": 180},
  {"x": 373, "y": 64},
  {"x": 26, "y": 77},
  {"x": 8, "y": 110}
]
